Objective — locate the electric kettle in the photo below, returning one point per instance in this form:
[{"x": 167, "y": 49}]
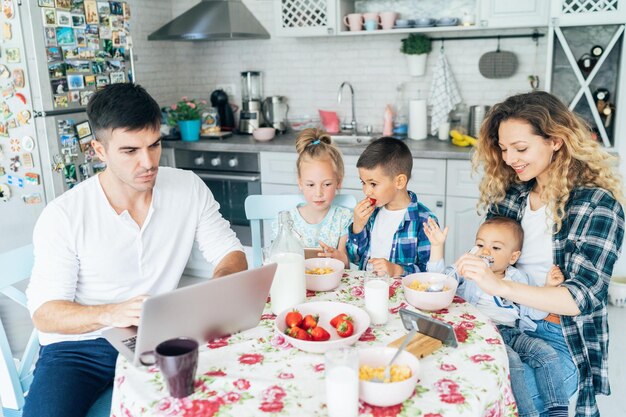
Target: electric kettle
[{"x": 275, "y": 109}]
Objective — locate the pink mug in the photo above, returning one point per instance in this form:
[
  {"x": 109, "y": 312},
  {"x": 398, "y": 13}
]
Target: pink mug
[
  {"x": 388, "y": 20},
  {"x": 371, "y": 16},
  {"x": 354, "y": 21}
]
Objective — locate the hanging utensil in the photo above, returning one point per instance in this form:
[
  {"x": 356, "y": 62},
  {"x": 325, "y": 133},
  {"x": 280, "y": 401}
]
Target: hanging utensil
[{"x": 498, "y": 64}]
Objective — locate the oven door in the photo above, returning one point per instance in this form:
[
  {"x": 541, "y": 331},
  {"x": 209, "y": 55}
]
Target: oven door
[{"x": 231, "y": 190}]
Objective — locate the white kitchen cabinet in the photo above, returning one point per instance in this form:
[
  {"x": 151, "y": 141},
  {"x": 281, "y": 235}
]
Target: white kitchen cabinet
[
  {"x": 278, "y": 167},
  {"x": 587, "y": 12},
  {"x": 296, "y": 18},
  {"x": 513, "y": 14},
  {"x": 461, "y": 215},
  {"x": 463, "y": 222}
]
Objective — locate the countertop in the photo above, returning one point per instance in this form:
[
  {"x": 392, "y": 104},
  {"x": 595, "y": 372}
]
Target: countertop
[{"x": 431, "y": 148}]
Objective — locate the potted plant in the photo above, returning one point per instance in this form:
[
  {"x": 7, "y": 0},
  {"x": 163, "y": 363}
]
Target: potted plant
[
  {"x": 187, "y": 115},
  {"x": 416, "y": 47}
]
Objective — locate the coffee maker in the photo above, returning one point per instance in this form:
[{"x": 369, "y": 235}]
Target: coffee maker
[
  {"x": 250, "y": 117},
  {"x": 275, "y": 110},
  {"x": 219, "y": 99}
]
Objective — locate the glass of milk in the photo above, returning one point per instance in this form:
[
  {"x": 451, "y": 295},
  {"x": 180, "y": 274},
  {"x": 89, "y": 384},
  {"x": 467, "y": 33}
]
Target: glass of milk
[
  {"x": 342, "y": 382},
  {"x": 376, "y": 297}
]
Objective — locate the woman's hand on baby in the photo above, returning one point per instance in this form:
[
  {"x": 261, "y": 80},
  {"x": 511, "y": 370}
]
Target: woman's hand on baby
[
  {"x": 436, "y": 236},
  {"x": 362, "y": 212},
  {"x": 382, "y": 266},
  {"x": 475, "y": 268},
  {"x": 555, "y": 277}
]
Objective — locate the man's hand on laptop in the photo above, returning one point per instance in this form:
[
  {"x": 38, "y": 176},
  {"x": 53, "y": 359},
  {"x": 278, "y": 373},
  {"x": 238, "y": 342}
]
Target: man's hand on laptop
[{"x": 124, "y": 314}]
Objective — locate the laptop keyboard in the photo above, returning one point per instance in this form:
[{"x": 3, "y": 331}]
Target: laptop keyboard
[{"x": 130, "y": 342}]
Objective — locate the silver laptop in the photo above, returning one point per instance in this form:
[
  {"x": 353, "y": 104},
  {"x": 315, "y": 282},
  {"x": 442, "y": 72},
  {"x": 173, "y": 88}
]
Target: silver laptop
[{"x": 204, "y": 311}]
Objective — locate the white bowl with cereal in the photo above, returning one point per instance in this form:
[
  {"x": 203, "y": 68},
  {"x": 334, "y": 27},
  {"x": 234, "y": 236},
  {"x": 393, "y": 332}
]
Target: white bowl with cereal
[
  {"x": 404, "y": 373},
  {"x": 416, "y": 290},
  {"x": 323, "y": 274}
]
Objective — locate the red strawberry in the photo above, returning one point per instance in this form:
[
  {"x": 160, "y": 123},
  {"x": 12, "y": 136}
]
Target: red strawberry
[
  {"x": 318, "y": 334},
  {"x": 372, "y": 201},
  {"x": 339, "y": 318},
  {"x": 297, "y": 333},
  {"x": 345, "y": 329},
  {"x": 309, "y": 321},
  {"x": 293, "y": 318}
]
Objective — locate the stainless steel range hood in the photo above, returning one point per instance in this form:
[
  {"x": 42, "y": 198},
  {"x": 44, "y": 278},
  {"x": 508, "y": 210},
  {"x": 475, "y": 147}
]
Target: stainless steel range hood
[{"x": 212, "y": 20}]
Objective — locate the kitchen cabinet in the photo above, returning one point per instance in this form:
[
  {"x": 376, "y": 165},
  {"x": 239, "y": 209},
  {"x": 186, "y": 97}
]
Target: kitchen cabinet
[
  {"x": 589, "y": 83},
  {"x": 461, "y": 216},
  {"x": 513, "y": 14},
  {"x": 298, "y": 18}
]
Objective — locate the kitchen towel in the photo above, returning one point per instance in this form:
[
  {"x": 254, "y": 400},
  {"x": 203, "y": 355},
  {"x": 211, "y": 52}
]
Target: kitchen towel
[
  {"x": 444, "y": 93},
  {"x": 417, "y": 120}
]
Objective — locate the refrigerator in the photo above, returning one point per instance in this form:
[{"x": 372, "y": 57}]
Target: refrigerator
[{"x": 54, "y": 55}]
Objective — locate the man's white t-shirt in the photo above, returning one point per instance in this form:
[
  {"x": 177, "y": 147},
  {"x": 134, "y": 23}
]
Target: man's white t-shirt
[
  {"x": 86, "y": 253},
  {"x": 385, "y": 226}
]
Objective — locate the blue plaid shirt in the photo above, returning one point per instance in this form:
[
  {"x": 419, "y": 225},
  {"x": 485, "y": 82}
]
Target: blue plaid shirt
[
  {"x": 410, "y": 248},
  {"x": 585, "y": 249}
]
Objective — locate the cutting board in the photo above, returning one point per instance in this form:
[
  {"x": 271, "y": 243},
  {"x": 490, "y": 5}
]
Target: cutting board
[{"x": 420, "y": 346}]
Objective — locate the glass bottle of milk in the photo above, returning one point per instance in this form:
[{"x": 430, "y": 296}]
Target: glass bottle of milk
[{"x": 289, "y": 285}]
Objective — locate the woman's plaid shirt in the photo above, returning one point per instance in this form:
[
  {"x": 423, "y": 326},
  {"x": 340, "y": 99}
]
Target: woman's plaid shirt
[{"x": 585, "y": 249}]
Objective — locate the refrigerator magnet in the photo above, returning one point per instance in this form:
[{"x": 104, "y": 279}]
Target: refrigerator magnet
[
  {"x": 18, "y": 78},
  {"x": 1, "y": 155},
  {"x": 28, "y": 143},
  {"x": 64, "y": 19},
  {"x": 63, "y": 4},
  {"x": 83, "y": 129},
  {"x": 15, "y": 163},
  {"x": 6, "y": 111},
  {"x": 13, "y": 55},
  {"x": 4, "y": 72},
  {"x": 12, "y": 123},
  {"x": 32, "y": 178},
  {"x": 23, "y": 117},
  {"x": 45, "y": 3},
  {"x": 16, "y": 145},
  {"x": 8, "y": 92},
  {"x": 49, "y": 17},
  {"x": 7, "y": 9},
  {"x": 27, "y": 160},
  {"x": 5, "y": 192},
  {"x": 7, "y": 31},
  {"x": 21, "y": 97},
  {"x": 4, "y": 130},
  {"x": 34, "y": 198},
  {"x": 91, "y": 12},
  {"x": 61, "y": 101},
  {"x": 2, "y": 171}
]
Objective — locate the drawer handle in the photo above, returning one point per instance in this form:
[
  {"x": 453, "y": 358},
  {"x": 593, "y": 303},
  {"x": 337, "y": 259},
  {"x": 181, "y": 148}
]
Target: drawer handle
[{"x": 439, "y": 203}]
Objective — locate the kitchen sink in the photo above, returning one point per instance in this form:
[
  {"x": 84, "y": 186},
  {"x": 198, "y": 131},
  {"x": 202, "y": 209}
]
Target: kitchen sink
[{"x": 352, "y": 140}]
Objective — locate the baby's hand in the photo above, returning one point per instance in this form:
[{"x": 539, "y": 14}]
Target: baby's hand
[
  {"x": 555, "y": 277},
  {"x": 382, "y": 266},
  {"x": 434, "y": 233}
]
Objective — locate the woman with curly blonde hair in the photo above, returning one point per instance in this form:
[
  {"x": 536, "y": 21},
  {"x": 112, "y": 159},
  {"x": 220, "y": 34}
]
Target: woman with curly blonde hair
[{"x": 543, "y": 168}]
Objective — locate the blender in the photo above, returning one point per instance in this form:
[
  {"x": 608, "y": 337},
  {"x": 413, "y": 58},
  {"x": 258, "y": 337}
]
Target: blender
[{"x": 250, "y": 116}]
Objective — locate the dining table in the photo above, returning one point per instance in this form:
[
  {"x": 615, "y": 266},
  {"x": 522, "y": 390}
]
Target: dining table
[{"x": 257, "y": 372}]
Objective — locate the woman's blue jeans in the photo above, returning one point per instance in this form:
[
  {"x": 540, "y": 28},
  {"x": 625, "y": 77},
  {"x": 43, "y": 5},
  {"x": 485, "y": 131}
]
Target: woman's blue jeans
[
  {"x": 552, "y": 334},
  {"x": 69, "y": 377}
]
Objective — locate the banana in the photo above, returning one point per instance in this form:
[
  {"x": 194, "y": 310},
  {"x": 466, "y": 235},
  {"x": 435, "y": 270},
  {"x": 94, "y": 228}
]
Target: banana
[{"x": 459, "y": 139}]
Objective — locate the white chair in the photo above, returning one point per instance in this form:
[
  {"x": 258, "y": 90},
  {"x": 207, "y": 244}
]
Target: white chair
[
  {"x": 267, "y": 207},
  {"x": 16, "y": 375}
]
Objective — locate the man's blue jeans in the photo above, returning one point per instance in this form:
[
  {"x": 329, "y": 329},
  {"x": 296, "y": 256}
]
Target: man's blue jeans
[
  {"x": 553, "y": 334},
  {"x": 534, "y": 356},
  {"x": 69, "y": 377}
]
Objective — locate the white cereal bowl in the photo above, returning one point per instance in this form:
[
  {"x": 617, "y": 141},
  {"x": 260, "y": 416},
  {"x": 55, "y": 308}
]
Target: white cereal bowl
[
  {"x": 325, "y": 282},
  {"x": 390, "y": 393},
  {"x": 264, "y": 134},
  {"x": 429, "y": 301},
  {"x": 326, "y": 311}
]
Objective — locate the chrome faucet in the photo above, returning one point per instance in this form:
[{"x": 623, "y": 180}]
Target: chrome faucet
[{"x": 352, "y": 125}]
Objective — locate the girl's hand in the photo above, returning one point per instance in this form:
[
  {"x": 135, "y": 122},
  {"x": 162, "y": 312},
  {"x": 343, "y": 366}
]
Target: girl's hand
[
  {"x": 434, "y": 233},
  {"x": 472, "y": 267},
  {"x": 555, "y": 277},
  {"x": 330, "y": 252},
  {"x": 362, "y": 212},
  {"x": 382, "y": 266}
]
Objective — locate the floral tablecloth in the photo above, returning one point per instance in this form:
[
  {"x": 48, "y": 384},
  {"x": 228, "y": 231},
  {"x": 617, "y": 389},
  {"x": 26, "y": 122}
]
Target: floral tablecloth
[{"x": 257, "y": 373}]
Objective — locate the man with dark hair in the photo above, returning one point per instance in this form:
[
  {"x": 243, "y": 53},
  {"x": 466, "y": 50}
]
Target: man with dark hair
[{"x": 106, "y": 245}]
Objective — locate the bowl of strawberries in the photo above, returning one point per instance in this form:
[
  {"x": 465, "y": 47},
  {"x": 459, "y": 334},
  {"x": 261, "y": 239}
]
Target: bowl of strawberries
[{"x": 318, "y": 326}]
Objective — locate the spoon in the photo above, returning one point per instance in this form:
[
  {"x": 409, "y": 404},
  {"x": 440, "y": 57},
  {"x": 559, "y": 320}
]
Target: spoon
[
  {"x": 407, "y": 339},
  {"x": 436, "y": 284}
]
